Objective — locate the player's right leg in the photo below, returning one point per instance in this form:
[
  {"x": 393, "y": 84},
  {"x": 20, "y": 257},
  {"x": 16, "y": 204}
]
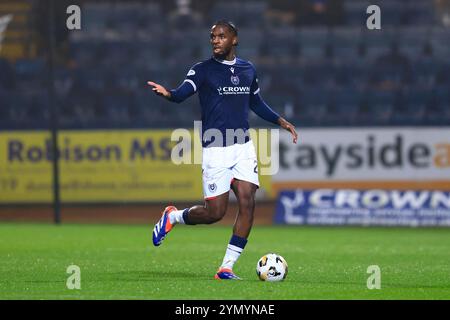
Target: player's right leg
[
  {"x": 213, "y": 211},
  {"x": 216, "y": 186}
]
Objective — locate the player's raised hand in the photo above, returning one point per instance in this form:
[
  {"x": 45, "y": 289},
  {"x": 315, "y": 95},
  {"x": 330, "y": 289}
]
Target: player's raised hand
[
  {"x": 289, "y": 127},
  {"x": 159, "y": 89}
]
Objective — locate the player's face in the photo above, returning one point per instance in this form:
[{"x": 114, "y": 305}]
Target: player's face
[{"x": 222, "y": 41}]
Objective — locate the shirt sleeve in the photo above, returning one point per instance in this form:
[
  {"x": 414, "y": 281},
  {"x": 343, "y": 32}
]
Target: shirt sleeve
[
  {"x": 258, "y": 106},
  {"x": 195, "y": 76},
  {"x": 190, "y": 85},
  {"x": 254, "y": 88}
]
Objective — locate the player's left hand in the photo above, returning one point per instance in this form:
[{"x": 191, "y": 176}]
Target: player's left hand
[{"x": 289, "y": 127}]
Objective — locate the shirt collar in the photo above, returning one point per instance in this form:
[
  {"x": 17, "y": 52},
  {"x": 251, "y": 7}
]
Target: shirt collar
[{"x": 227, "y": 62}]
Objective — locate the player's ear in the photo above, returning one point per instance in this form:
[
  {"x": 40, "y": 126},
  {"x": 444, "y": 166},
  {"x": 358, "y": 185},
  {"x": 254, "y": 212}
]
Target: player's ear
[{"x": 235, "y": 42}]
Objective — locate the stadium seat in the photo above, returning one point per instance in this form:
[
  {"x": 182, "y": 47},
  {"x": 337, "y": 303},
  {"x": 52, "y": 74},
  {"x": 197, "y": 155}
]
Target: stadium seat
[
  {"x": 319, "y": 70},
  {"x": 425, "y": 71},
  {"x": 410, "y": 106},
  {"x": 7, "y": 75},
  {"x": 96, "y": 15},
  {"x": 229, "y": 9},
  {"x": 376, "y": 107},
  {"x": 5, "y": 110},
  {"x": 282, "y": 44},
  {"x": 313, "y": 41},
  {"x": 443, "y": 74},
  {"x": 412, "y": 40},
  {"x": 344, "y": 106},
  {"x": 313, "y": 104},
  {"x": 355, "y": 11},
  {"x": 438, "y": 111},
  {"x": 378, "y": 43},
  {"x": 421, "y": 13},
  {"x": 345, "y": 42},
  {"x": 250, "y": 41},
  {"x": 354, "y": 73}
]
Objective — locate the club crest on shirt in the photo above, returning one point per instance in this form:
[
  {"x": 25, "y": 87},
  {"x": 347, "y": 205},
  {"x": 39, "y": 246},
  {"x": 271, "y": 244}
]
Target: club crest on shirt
[
  {"x": 212, "y": 187},
  {"x": 235, "y": 80}
]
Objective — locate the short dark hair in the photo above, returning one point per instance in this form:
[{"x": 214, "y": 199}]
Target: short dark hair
[{"x": 230, "y": 25}]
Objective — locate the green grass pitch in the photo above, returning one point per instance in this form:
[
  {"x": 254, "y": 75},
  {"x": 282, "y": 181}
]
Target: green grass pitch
[{"x": 120, "y": 262}]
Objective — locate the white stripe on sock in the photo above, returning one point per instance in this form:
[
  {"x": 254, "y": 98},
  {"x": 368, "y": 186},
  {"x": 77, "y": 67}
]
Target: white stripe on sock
[{"x": 234, "y": 248}]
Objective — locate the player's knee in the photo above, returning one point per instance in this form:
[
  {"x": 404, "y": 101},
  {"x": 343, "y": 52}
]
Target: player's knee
[{"x": 247, "y": 200}]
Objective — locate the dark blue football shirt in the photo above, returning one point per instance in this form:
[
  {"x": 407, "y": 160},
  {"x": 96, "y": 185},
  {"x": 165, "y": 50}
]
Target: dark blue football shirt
[{"x": 226, "y": 89}]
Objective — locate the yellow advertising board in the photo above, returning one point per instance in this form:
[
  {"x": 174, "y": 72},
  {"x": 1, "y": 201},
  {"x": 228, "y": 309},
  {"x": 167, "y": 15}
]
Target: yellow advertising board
[{"x": 98, "y": 166}]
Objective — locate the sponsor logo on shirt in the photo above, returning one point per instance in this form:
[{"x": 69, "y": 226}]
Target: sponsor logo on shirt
[{"x": 233, "y": 90}]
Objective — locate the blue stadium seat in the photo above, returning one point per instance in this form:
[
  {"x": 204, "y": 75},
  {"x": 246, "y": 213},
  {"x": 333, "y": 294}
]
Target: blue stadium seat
[
  {"x": 250, "y": 41},
  {"x": 313, "y": 41},
  {"x": 376, "y": 107},
  {"x": 438, "y": 111},
  {"x": 443, "y": 74},
  {"x": 392, "y": 12},
  {"x": 354, "y": 73},
  {"x": 86, "y": 52},
  {"x": 151, "y": 109},
  {"x": 7, "y": 75},
  {"x": 410, "y": 106},
  {"x": 345, "y": 42},
  {"x": 318, "y": 74},
  {"x": 412, "y": 40},
  {"x": 96, "y": 15},
  {"x": 5, "y": 110},
  {"x": 91, "y": 79},
  {"x": 320, "y": 70},
  {"x": 19, "y": 114},
  {"x": 355, "y": 11},
  {"x": 425, "y": 71},
  {"x": 313, "y": 104},
  {"x": 282, "y": 44},
  {"x": 253, "y": 9},
  {"x": 29, "y": 69},
  {"x": 228, "y": 9},
  {"x": 117, "y": 105},
  {"x": 344, "y": 105},
  {"x": 421, "y": 13},
  {"x": 439, "y": 41},
  {"x": 243, "y": 13},
  {"x": 378, "y": 42},
  {"x": 78, "y": 109}
]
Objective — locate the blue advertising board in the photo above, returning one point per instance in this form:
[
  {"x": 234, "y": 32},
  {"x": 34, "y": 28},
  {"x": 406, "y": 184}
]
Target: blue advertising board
[{"x": 363, "y": 207}]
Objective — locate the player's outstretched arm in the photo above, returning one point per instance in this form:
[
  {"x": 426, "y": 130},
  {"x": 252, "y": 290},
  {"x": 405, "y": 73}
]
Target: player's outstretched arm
[
  {"x": 177, "y": 95},
  {"x": 160, "y": 90},
  {"x": 261, "y": 108}
]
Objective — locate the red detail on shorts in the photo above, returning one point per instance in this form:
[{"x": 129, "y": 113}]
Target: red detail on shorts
[
  {"x": 231, "y": 182},
  {"x": 211, "y": 198}
]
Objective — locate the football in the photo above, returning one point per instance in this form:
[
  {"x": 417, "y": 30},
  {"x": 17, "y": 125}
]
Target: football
[{"x": 272, "y": 267}]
